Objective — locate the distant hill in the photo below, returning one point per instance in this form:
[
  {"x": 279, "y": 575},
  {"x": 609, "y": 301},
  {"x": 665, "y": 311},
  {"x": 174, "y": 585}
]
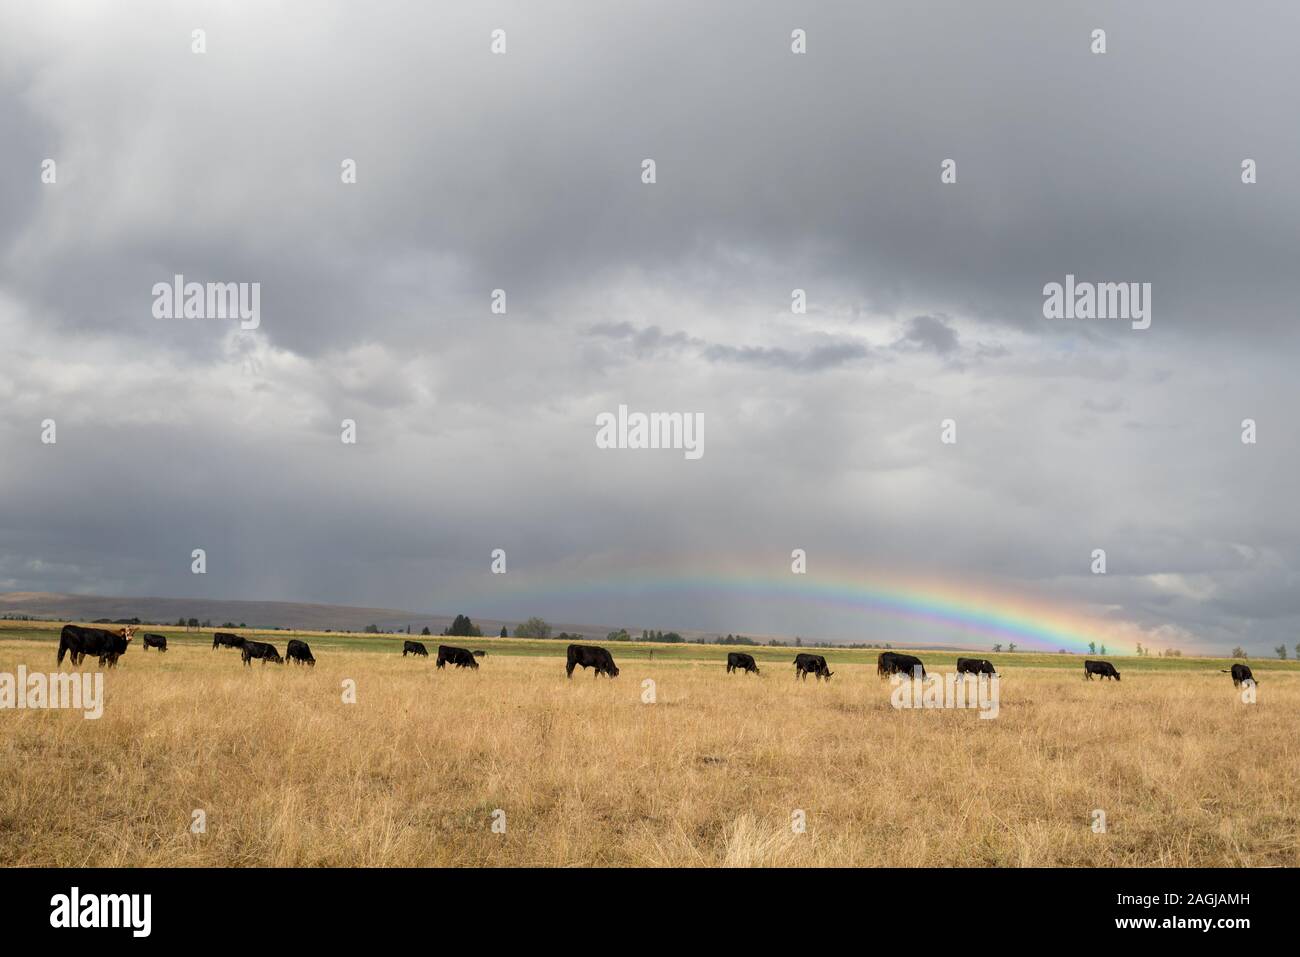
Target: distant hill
[
  {"x": 255, "y": 614},
  {"x": 304, "y": 616}
]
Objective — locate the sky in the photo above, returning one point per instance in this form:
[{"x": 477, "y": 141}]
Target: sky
[{"x": 774, "y": 171}]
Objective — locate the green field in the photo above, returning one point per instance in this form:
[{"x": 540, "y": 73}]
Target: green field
[{"x": 323, "y": 643}]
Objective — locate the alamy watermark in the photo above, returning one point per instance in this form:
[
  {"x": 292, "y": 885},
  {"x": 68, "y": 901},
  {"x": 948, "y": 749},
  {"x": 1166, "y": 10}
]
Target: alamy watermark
[
  {"x": 651, "y": 430},
  {"x": 1098, "y": 300},
  {"x": 953, "y": 691},
  {"x": 130, "y": 911},
  {"x": 79, "y": 691},
  {"x": 179, "y": 299}
]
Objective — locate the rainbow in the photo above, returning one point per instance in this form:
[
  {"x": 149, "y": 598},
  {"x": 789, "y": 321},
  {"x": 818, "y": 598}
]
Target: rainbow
[{"x": 965, "y": 610}]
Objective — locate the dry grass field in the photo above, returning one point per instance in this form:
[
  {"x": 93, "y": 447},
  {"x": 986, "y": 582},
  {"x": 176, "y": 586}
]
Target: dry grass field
[{"x": 587, "y": 774}]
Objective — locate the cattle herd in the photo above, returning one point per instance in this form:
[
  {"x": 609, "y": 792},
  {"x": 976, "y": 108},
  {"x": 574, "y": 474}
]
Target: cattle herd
[{"x": 76, "y": 642}]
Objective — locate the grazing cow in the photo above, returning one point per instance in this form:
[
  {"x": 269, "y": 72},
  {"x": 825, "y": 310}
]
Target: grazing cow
[
  {"x": 591, "y": 656},
  {"x": 459, "y": 657},
  {"x": 739, "y": 661},
  {"x": 1239, "y": 674},
  {"x": 224, "y": 639},
  {"x": 1103, "y": 668},
  {"x": 299, "y": 652},
  {"x": 816, "y": 664},
  {"x": 975, "y": 666},
  {"x": 414, "y": 648},
  {"x": 894, "y": 662},
  {"x": 155, "y": 641},
  {"x": 114, "y": 649},
  {"x": 97, "y": 642},
  {"x": 260, "y": 649}
]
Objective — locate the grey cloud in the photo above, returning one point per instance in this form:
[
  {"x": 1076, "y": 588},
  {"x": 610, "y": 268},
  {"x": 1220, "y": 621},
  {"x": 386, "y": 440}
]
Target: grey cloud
[
  {"x": 816, "y": 359},
  {"x": 651, "y": 340},
  {"x": 775, "y": 172},
  {"x": 929, "y": 333},
  {"x": 644, "y": 341}
]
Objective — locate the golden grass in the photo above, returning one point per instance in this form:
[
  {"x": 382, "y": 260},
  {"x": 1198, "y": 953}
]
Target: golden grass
[{"x": 586, "y": 773}]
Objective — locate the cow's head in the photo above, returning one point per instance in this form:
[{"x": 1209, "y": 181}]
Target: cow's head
[
  {"x": 613, "y": 671},
  {"x": 826, "y": 673},
  {"x": 127, "y": 632},
  {"x": 1115, "y": 673}
]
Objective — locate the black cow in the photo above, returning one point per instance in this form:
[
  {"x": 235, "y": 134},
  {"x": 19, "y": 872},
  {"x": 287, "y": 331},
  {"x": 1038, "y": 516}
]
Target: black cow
[
  {"x": 1239, "y": 674},
  {"x": 816, "y": 664},
  {"x": 260, "y": 649},
  {"x": 224, "y": 639},
  {"x": 1103, "y": 668},
  {"x": 414, "y": 648},
  {"x": 155, "y": 641},
  {"x": 894, "y": 662},
  {"x": 459, "y": 657},
  {"x": 591, "y": 656},
  {"x": 114, "y": 649},
  {"x": 975, "y": 666},
  {"x": 97, "y": 642},
  {"x": 739, "y": 661},
  {"x": 299, "y": 652}
]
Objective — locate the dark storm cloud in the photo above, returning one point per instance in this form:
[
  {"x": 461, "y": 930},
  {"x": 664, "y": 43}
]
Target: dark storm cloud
[
  {"x": 816, "y": 359},
  {"x": 524, "y": 169},
  {"x": 929, "y": 333},
  {"x": 647, "y": 341},
  {"x": 775, "y": 172},
  {"x": 652, "y": 341}
]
